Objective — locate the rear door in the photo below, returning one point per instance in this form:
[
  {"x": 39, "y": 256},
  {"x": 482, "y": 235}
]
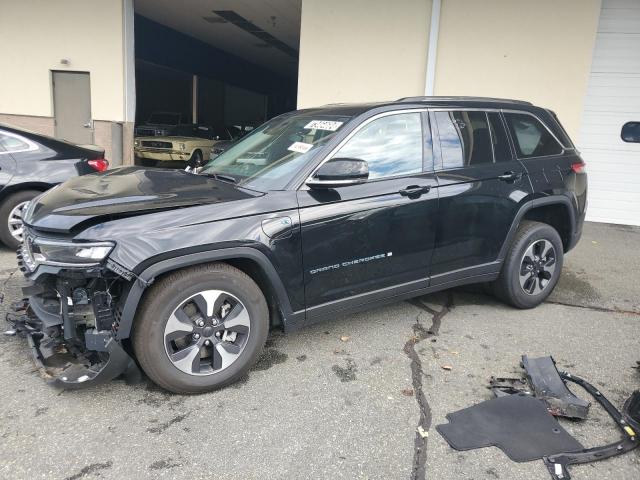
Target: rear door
[
  {"x": 482, "y": 186},
  {"x": 376, "y": 236}
]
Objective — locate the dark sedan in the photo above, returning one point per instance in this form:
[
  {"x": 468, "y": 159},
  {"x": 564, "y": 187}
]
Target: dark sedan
[{"x": 30, "y": 164}]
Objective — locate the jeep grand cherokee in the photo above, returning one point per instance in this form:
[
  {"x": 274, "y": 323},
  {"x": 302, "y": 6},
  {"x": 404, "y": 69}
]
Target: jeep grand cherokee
[{"x": 314, "y": 214}]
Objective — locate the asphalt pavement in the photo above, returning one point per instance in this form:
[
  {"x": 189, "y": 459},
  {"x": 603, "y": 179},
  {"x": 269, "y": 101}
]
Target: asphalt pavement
[{"x": 357, "y": 397}]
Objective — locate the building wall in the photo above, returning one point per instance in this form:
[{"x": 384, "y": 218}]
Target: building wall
[
  {"x": 538, "y": 51},
  {"x": 377, "y": 50},
  {"x": 362, "y": 50},
  {"x": 36, "y": 34}
]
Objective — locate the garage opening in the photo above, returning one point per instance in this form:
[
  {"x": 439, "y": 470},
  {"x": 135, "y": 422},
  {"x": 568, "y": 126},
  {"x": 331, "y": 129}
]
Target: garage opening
[{"x": 208, "y": 72}]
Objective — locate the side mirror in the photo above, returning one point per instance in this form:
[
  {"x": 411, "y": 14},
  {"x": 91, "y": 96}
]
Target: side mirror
[
  {"x": 631, "y": 132},
  {"x": 340, "y": 172}
]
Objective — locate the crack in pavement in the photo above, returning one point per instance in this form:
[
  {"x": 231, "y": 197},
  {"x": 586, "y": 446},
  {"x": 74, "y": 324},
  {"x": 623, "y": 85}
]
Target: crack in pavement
[
  {"x": 418, "y": 471},
  {"x": 594, "y": 308},
  {"x": 4, "y": 284}
]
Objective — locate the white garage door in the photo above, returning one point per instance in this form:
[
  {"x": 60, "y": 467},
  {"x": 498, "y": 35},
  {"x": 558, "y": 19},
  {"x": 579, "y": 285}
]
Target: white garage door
[{"x": 613, "y": 98}]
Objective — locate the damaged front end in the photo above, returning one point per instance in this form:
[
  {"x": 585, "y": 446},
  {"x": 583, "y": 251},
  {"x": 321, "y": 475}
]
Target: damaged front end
[{"x": 70, "y": 313}]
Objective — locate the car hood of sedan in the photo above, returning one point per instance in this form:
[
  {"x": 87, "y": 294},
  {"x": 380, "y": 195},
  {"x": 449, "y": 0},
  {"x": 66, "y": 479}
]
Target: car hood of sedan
[{"x": 125, "y": 192}]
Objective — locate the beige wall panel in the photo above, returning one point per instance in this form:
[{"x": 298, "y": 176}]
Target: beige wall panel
[
  {"x": 43, "y": 125},
  {"x": 36, "y": 34},
  {"x": 362, "y": 50},
  {"x": 102, "y": 137},
  {"x": 538, "y": 51}
]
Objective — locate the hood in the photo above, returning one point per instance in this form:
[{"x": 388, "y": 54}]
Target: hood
[{"x": 125, "y": 192}]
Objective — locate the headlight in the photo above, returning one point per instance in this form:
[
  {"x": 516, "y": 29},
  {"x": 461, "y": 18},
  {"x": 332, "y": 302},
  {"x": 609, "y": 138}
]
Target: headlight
[
  {"x": 51, "y": 252},
  {"x": 182, "y": 146},
  {"x": 136, "y": 143}
]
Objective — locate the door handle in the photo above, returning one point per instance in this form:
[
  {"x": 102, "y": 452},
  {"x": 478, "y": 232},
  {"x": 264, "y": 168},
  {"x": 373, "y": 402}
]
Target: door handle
[
  {"x": 510, "y": 176},
  {"x": 414, "y": 191}
]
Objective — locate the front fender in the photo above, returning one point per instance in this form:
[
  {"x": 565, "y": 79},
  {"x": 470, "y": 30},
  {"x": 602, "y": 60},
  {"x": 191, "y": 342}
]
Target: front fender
[{"x": 290, "y": 319}]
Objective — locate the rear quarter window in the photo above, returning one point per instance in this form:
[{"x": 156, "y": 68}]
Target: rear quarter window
[
  {"x": 530, "y": 137},
  {"x": 13, "y": 143}
]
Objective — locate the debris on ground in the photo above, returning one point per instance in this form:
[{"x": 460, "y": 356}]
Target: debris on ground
[{"x": 521, "y": 419}]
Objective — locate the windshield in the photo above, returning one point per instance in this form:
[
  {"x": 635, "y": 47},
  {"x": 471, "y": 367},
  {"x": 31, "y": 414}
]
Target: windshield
[
  {"x": 271, "y": 155},
  {"x": 164, "y": 118}
]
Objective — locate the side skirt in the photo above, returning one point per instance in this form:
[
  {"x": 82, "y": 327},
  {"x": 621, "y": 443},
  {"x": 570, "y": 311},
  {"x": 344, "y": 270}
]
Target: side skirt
[{"x": 397, "y": 293}]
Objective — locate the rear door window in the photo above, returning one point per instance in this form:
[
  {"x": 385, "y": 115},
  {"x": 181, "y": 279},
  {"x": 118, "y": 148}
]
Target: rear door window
[
  {"x": 464, "y": 138},
  {"x": 531, "y": 137}
]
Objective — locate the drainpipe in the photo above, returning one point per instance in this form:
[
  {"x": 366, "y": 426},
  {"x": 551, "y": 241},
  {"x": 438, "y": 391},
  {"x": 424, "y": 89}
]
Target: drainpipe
[
  {"x": 430, "y": 76},
  {"x": 194, "y": 99}
]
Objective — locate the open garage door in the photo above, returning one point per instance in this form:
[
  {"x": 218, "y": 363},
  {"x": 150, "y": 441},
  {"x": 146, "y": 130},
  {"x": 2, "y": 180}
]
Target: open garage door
[
  {"x": 613, "y": 99},
  {"x": 211, "y": 68}
]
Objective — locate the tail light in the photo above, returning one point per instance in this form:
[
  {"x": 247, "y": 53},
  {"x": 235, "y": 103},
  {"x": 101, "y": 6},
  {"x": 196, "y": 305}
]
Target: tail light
[
  {"x": 578, "y": 167},
  {"x": 99, "y": 164}
]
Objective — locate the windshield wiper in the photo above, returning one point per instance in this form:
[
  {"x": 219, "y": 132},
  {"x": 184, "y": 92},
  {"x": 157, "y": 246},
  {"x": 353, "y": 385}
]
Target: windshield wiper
[{"x": 221, "y": 177}]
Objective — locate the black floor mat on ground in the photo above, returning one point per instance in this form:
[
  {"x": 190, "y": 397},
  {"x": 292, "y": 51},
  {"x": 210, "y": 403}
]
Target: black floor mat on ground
[{"x": 517, "y": 424}]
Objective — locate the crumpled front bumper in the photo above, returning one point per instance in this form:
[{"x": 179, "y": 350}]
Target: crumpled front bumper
[
  {"x": 70, "y": 353},
  {"x": 64, "y": 366}
]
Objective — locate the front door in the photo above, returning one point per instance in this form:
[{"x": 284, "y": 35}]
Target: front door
[
  {"x": 377, "y": 236},
  {"x": 72, "y": 107},
  {"x": 482, "y": 186}
]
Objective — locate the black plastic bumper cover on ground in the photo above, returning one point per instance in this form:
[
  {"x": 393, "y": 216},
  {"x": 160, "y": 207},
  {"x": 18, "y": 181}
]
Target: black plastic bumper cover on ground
[{"x": 519, "y": 425}]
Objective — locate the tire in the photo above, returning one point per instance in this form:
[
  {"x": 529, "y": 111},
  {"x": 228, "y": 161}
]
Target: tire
[
  {"x": 168, "y": 308},
  {"x": 9, "y": 208},
  {"x": 528, "y": 274}
]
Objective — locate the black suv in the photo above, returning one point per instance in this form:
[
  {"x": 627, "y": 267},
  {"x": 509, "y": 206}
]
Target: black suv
[{"x": 314, "y": 214}]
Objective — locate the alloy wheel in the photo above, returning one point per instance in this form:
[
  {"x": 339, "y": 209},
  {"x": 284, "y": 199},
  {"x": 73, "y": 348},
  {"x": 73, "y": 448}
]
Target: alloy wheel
[
  {"x": 15, "y": 221},
  {"x": 207, "y": 332},
  {"x": 537, "y": 267}
]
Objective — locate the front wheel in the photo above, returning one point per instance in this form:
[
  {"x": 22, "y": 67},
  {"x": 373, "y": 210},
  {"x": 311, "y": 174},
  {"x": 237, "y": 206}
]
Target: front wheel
[
  {"x": 200, "y": 328},
  {"x": 532, "y": 267}
]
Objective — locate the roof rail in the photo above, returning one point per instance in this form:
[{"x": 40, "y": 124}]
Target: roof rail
[{"x": 463, "y": 99}]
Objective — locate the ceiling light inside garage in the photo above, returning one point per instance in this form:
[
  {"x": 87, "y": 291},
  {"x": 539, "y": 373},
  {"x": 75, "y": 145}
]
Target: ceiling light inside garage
[{"x": 241, "y": 22}]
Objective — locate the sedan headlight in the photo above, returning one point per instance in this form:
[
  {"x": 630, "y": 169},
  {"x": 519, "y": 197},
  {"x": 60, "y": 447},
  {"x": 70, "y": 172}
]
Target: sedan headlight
[{"x": 58, "y": 253}]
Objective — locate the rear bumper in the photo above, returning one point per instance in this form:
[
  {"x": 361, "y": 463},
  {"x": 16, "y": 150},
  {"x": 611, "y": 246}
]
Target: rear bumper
[{"x": 576, "y": 235}]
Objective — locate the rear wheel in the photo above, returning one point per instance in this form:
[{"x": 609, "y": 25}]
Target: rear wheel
[
  {"x": 11, "y": 212},
  {"x": 532, "y": 267},
  {"x": 200, "y": 328}
]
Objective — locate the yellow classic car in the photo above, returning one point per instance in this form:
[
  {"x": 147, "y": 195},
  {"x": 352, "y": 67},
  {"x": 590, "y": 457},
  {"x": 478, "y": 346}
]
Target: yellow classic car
[{"x": 189, "y": 143}]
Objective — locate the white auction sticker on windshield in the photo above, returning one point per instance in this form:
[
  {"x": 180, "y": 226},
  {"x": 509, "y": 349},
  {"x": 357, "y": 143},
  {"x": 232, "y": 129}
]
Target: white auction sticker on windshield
[
  {"x": 300, "y": 147},
  {"x": 323, "y": 125}
]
